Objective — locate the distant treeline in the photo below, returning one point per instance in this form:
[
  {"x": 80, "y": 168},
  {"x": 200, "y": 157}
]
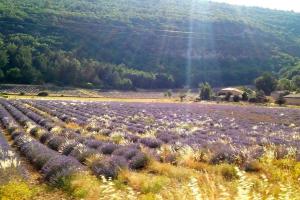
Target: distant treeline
[{"x": 36, "y": 65}]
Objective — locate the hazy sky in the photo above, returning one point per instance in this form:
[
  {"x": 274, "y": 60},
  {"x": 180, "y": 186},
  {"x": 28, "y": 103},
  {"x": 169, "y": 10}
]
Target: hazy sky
[{"x": 273, "y": 4}]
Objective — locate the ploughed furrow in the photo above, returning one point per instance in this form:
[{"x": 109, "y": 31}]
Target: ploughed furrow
[
  {"x": 104, "y": 159},
  {"x": 53, "y": 165}
]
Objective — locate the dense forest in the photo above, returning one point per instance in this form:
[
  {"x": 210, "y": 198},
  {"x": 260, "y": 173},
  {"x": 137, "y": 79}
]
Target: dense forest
[{"x": 128, "y": 44}]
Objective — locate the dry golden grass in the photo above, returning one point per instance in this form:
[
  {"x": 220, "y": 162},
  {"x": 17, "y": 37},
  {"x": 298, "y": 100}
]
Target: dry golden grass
[
  {"x": 278, "y": 180},
  {"x": 100, "y": 99},
  {"x": 101, "y": 137},
  {"x": 144, "y": 182},
  {"x": 171, "y": 171},
  {"x": 72, "y": 125}
]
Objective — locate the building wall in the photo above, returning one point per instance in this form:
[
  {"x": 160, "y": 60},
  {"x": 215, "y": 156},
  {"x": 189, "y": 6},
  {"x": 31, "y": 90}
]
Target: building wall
[{"x": 293, "y": 101}]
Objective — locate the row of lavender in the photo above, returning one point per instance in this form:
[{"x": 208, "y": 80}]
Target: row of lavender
[
  {"x": 9, "y": 163},
  {"x": 108, "y": 158},
  {"x": 69, "y": 115},
  {"x": 199, "y": 126},
  {"x": 52, "y": 164},
  {"x": 84, "y": 147}
]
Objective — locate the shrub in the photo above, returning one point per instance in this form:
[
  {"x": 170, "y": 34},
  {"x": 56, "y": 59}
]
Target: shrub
[
  {"x": 36, "y": 153},
  {"x": 43, "y": 94},
  {"x": 46, "y": 137},
  {"x": 16, "y": 133},
  {"x": 280, "y": 152},
  {"x": 228, "y": 172},
  {"x": 205, "y": 91},
  {"x": 81, "y": 153},
  {"x": 68, "y": 148},
  {"x": 59, "y": 167},
  {"x": 168, "y": 94},
  {"x": 280, "y": 100},
  {"x": 107, "y": 168},
  {"x": 260, "y": 97},
  {"x": 108, "y": 148},
  {"x": 21, "y": 139},
  {"x": 56, "y": 142},
  {"x": 253, "y": 166},
  {"x": 132, "y": 138},
  {"x": 182, "y": 96},
  {"x": 252, "y": 100},
  {"x": 12, "y": 129},
  {"x": 139, "y": 161},
  {"x": 93, "y": 143},
  {"x": 167, "y": 137},
  {"x": 126, "y": 152},
  {"x": 170, "y": 158},
  {"x": 120, "y": 161},
  {"x": 236, "y": 98},
  {"x": 34, "y": 131},
  {"x": 106, "y": 132},
  {"x": 245, "y": 96},
  {"x": 223, "y": 153},
  {"x": 151, "y": 142},
  {"x": 41, "y": 158}
]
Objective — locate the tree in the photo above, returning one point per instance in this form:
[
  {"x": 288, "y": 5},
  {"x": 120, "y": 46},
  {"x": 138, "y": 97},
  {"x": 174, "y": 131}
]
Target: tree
[
  {"x": 168, "y": 94},
  {"x": 247, "y": 90},
  {"x": 23, "y": 57},
  {"x": 124, "y": 84},
  {"x": 280, "y": 100},
  {"x": 267, "y": 83},
  {"x": 163, "y": 80},
  {"x": 3, "y": 58},
  {"x": 1, "y": 75},
  {"x": 31, "y": 75},
  {"x": 47, "y": 4},
  {"x": 284, "y": 84},
  {"x": 182, "y": 96},
  {"x": 245, "y": 96},
  {"x": 13, "y": 75},
  {"x": 260, "y": 97},
  {"x": 296, "y": 82},
  {"x": 205, "y": 91}
]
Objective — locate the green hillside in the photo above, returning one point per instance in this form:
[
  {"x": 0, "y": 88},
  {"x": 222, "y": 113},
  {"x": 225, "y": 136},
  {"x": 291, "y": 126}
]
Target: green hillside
[{"x": 145, "y": 44}]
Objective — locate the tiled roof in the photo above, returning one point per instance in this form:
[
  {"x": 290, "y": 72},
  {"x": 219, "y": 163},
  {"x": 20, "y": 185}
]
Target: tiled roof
[{"x": 232, "y": 89}]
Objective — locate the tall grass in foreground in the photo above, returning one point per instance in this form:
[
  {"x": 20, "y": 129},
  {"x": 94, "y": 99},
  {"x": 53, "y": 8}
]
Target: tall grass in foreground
[
  {"x": 266, "y": 178},
  {"x": 269, "y": 178}
]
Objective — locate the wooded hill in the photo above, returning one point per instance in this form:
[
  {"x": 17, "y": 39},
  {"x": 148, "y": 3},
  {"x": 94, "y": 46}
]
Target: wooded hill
[{"x": 128, "y": 44}]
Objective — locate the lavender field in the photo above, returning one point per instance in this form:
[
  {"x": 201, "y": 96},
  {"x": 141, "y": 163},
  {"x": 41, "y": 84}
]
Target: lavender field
[{"x": 116, "y": 150}]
